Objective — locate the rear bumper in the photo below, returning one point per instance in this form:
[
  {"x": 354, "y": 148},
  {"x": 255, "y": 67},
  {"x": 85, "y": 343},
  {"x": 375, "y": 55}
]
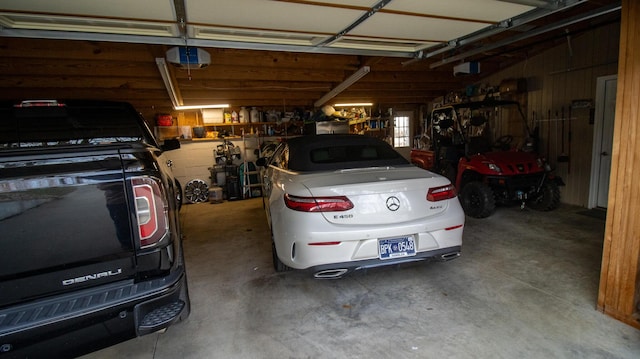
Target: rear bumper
[
  {"x": 77, "y": 323},
  {"x": 356, "y": 244},
  {"x": 338, "y": 270}
]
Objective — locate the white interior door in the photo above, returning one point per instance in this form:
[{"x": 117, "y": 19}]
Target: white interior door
[
  {"x": 402, "y": 133},
  {"x": 605, "y": 112}
]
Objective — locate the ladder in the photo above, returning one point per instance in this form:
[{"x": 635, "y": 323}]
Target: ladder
[{"x": 251, "y": 180}]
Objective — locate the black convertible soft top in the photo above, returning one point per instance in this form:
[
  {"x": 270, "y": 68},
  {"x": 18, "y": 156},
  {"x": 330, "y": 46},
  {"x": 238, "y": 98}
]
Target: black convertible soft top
[{"x": 336, "y": 152}]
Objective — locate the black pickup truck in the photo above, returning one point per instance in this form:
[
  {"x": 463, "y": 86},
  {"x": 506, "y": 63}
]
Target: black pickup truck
[{"x": 90, "y": 244}]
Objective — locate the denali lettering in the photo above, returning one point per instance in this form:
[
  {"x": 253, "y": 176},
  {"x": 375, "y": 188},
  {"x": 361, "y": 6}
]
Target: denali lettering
[{"x": 87, "y": 277}]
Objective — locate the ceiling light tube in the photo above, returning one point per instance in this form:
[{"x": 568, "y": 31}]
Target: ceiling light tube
[
  {"x": 343, "y": 85},
  {"x": 355, "y": 104},
  {"x": 166, "y": 78},
  {"x": 198, "y": 107}
]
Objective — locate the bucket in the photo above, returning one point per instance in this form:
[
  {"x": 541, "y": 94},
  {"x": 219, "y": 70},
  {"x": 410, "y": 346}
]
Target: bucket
[
  {"x": 220, "y": 178},
  {"x": 215, "y": 195},
  {"x": 199, "y": 132}
]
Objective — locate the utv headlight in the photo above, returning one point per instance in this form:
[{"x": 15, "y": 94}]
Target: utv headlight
[{"x": 494, "y": 167}]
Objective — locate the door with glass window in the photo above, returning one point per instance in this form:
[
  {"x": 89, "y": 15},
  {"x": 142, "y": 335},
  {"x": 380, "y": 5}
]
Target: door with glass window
[{"x": 402, "y": 132}]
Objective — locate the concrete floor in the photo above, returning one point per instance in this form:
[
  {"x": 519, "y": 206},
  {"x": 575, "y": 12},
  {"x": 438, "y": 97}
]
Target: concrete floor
[{"x": 525, "y": 287}]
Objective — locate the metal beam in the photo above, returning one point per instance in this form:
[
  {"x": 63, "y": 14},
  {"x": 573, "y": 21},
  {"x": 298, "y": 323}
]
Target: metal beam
[
  {"x": 176, "y": 41},
  {"x": 374, "y": 9},
  {"x": 541, "y": 30}
]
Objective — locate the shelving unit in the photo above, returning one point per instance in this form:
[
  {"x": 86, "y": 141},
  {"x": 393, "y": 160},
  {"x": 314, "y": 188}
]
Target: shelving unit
[
  {"x": 237, "y": 130},
  {"x": 376, "y": 127},
  {"x": 224, "y": 172}
]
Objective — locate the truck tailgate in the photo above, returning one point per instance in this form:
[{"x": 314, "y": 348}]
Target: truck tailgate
[{"x": 64, "y": 223}]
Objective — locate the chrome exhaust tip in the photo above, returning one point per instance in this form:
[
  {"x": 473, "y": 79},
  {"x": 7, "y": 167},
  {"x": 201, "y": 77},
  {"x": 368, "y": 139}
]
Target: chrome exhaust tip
[
  {"x": 449, "y": 256},
  {"x": 330, "y": 273}
]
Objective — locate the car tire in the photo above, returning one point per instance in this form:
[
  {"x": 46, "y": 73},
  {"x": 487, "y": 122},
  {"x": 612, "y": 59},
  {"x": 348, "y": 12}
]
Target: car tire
[
  {"x": 277, "y": 263},
  {"x": 548, "y": 198},
  {"x": 477, "y": 200}
]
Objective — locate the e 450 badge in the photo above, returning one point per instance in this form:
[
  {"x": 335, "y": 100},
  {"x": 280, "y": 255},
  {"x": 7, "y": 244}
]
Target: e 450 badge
[{"x": 343, "y": 216}]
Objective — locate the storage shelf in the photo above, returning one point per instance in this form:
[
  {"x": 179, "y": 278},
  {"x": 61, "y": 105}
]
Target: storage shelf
[{"x": 240, "y": 124}]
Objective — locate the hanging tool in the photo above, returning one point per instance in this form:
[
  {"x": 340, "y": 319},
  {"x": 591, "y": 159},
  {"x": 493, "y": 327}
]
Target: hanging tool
[
  {"x": 549, "y": 135},
  {"x": 556, "y": 144},
  {"x": 569, "y": 143},
  {"x": 563, "y": 157}
]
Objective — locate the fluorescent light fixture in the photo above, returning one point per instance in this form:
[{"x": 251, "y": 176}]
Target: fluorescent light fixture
[
  {"x": 343, "y": 85},
  {"x": 355, "y": 104},
  {"x": 166, "y": 78},
  {"x": 176, "y": 100},
  {"x": 198, "y": 107}
]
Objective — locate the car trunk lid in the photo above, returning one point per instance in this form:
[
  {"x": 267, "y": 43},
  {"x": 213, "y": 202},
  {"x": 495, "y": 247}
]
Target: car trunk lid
[{"x": 379, "y": 195}]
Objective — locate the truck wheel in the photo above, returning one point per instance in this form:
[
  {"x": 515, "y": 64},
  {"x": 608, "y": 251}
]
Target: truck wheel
[
  {"x": 477, "y": 200},
  {"x": 548, "y": 199}
]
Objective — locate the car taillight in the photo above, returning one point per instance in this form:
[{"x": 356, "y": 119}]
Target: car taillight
[
  {"x": 151, "y": 210},
  {"x": 318, "y": 204},
  {"x": 441, "y": 193}
]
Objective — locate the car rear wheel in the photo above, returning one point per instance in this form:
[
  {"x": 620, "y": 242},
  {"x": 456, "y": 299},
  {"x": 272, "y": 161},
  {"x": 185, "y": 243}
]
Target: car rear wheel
[
  {"x": 548, "y": 199},
  {"x": 477, "y": 200},
  {"x": 277, "y": 263}
]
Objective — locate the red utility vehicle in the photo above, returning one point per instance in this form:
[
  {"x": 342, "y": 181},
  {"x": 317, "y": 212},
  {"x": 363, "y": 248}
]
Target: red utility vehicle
[{"x": 468, "y": 143}]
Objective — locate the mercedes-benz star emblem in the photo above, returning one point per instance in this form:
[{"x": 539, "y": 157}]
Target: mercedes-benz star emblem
[{"x": 393, "y": 203}]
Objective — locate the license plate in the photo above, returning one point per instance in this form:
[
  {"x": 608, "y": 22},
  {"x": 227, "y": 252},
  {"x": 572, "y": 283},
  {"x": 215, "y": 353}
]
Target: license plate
[{"x": 396, "y": 247}]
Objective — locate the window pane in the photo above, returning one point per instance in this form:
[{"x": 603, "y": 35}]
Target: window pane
[{"x": 401, "y": 131}]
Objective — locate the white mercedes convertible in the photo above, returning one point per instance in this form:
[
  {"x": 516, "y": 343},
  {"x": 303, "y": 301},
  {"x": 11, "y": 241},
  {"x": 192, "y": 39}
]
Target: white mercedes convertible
[{"x": 338, "y": 203}]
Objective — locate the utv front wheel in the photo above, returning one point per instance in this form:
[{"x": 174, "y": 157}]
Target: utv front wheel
[
  {"x": 547, "y": 199},
  {"x": 477, "y": 200}
]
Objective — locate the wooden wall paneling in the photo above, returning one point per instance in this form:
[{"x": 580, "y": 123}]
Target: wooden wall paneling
[
  {"x": 581, "y": 131},
  {"x": 77, "y": 50},
  {"x": 555, "y": 79},
  {"x": 619, "y": 293}
]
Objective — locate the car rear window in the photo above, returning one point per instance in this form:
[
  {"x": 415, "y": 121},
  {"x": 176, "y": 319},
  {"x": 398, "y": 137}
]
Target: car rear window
[
  {"x": 52, "y": 126},
  {"x": 338, "y": 152}
]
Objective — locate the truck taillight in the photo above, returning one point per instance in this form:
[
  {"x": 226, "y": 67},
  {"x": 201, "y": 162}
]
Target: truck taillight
[
  {"x": 441, "y": 193},
  {"x": 318, "y": 204},
  {"x": 151, "y": 211},
  {"x": 40, "y": 103}
]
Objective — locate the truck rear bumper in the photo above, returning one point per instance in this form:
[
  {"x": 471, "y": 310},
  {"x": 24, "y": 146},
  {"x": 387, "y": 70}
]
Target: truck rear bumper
[{"x": 77, "y": 323}]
